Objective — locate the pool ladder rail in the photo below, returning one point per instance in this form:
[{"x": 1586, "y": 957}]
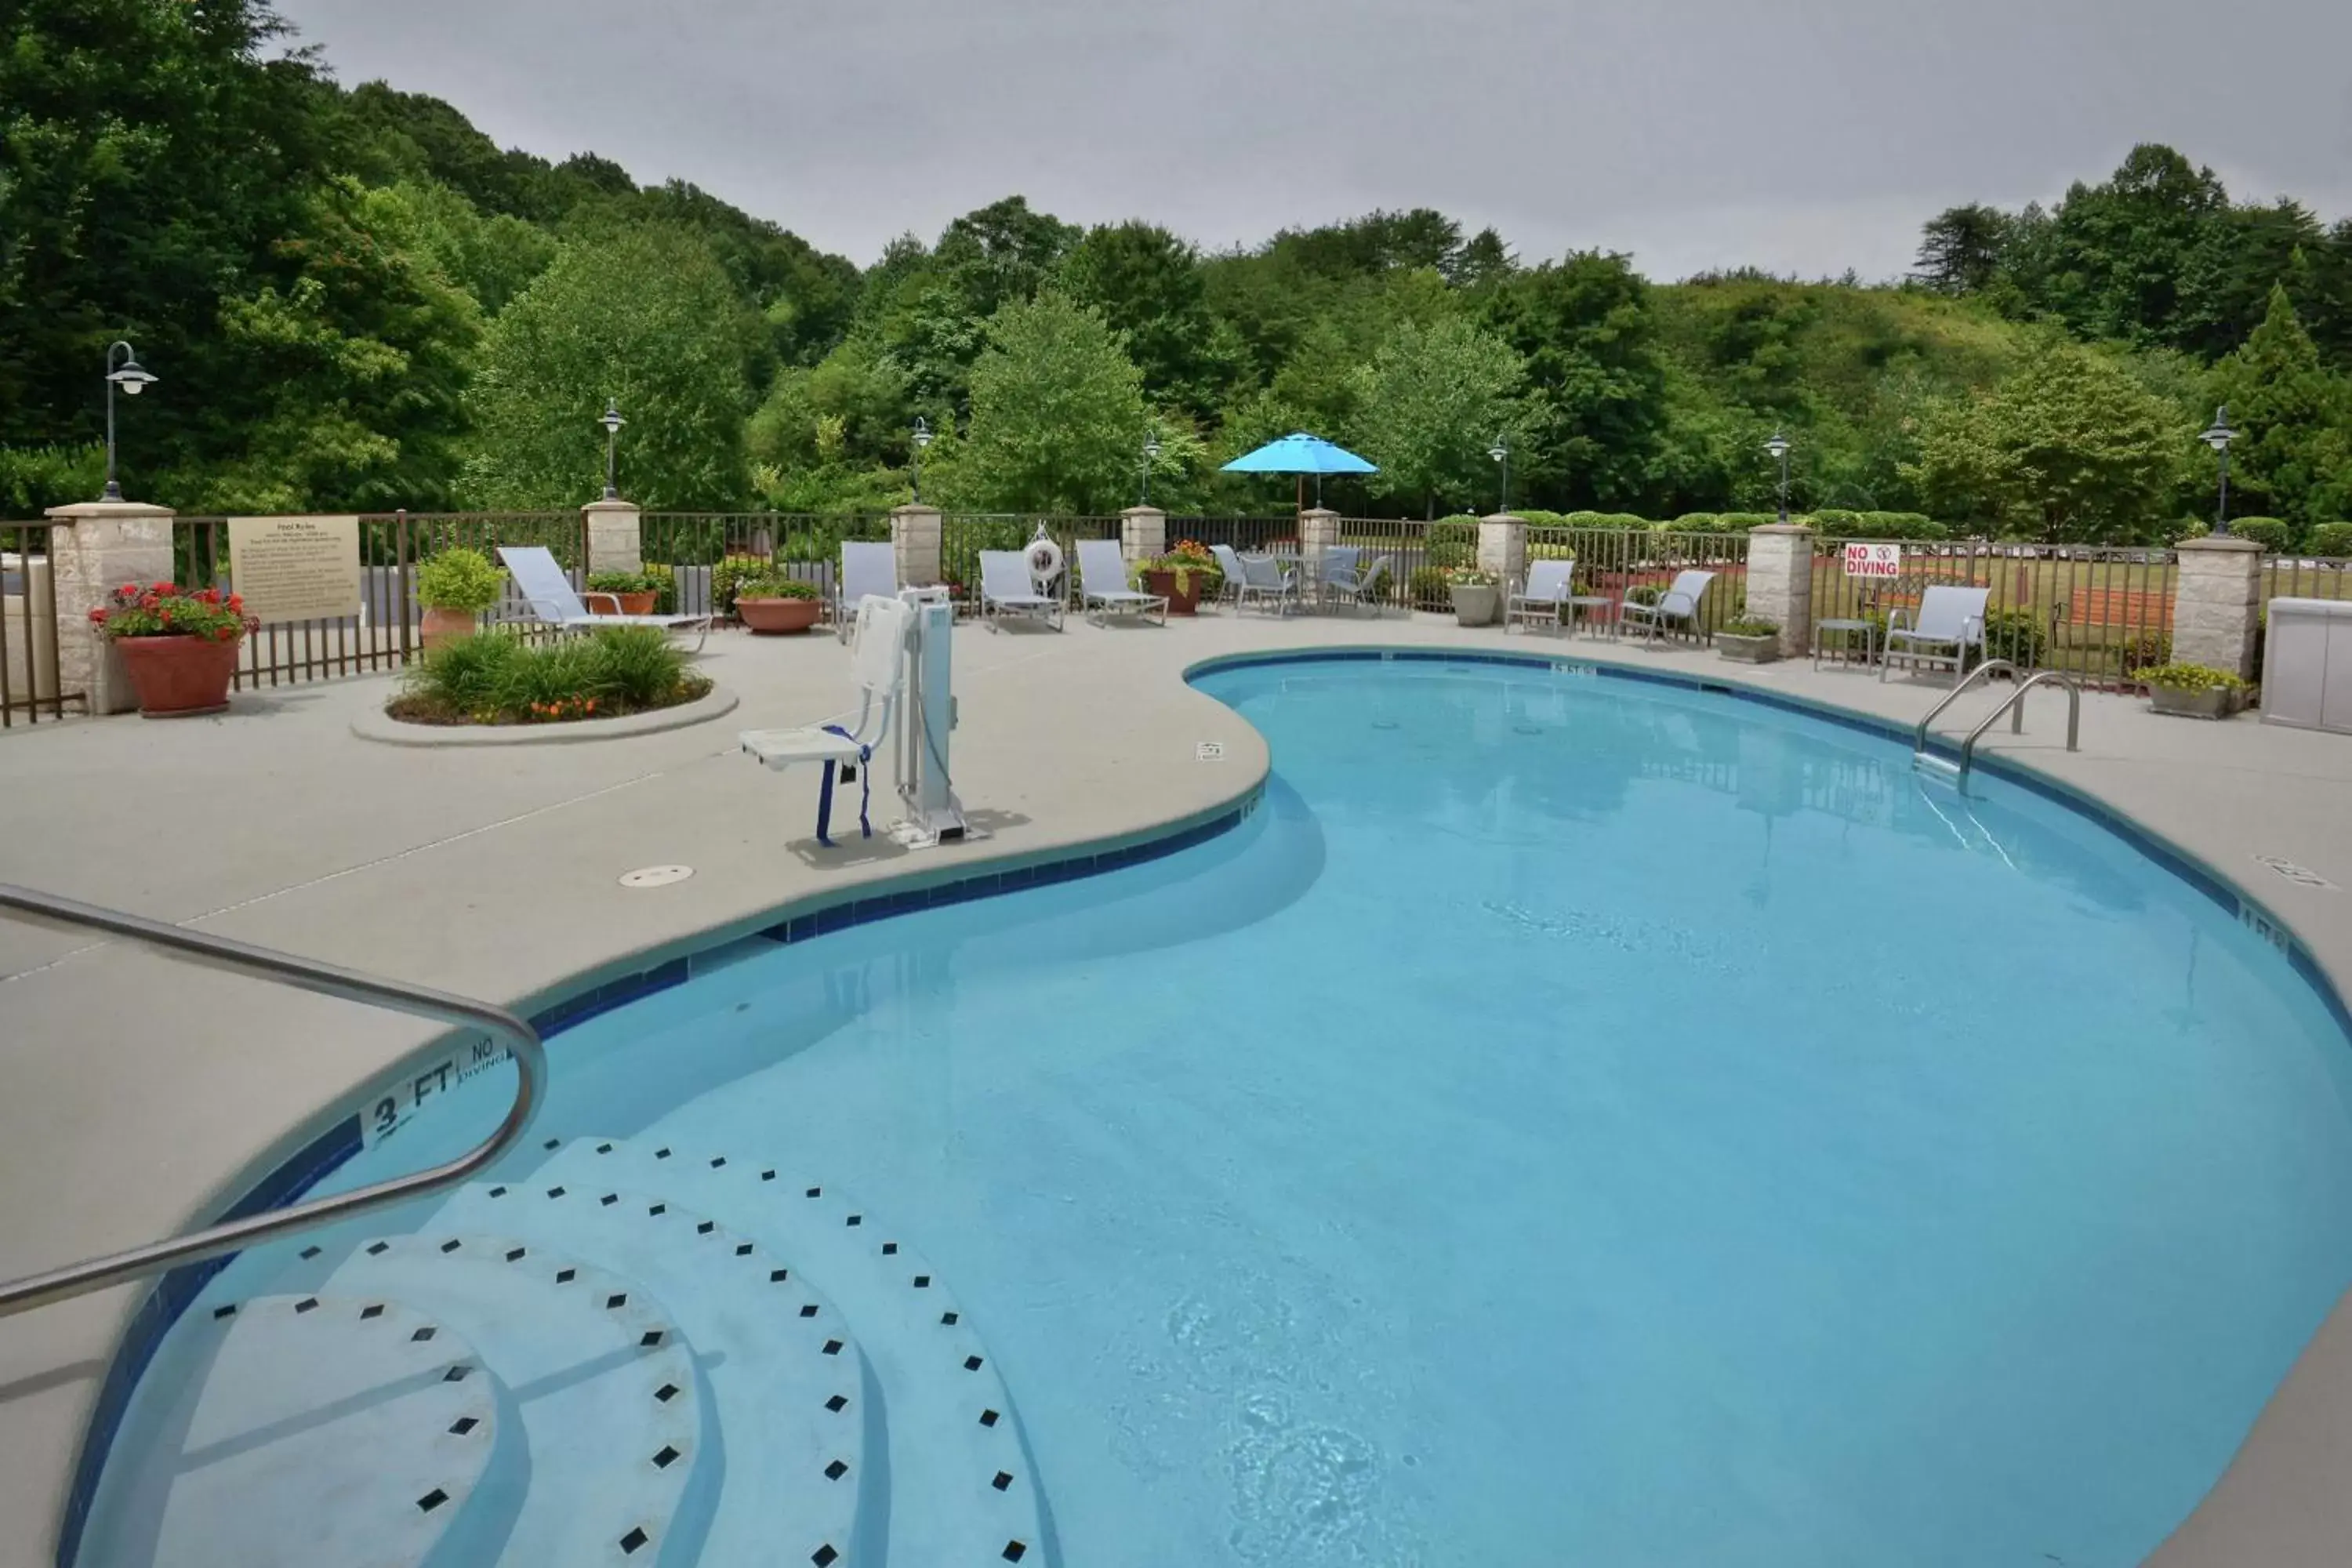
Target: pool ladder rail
[{"x": 2013, "y": 705}]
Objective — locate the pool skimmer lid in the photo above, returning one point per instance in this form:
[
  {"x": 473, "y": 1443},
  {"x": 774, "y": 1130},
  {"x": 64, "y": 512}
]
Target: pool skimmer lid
[{"x": 655, "y": 876}]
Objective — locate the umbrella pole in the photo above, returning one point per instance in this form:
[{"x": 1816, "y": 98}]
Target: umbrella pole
[{"x": 1302, "y": 495}]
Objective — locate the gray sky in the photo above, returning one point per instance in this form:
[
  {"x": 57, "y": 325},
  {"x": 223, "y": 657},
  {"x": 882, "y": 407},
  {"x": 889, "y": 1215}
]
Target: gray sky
[{"x": 1695, "y": 133}]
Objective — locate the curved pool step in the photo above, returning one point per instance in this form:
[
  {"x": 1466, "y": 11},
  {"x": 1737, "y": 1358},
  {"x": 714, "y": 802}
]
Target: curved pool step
[
  {"x": 961, "y": 1489},
  {"x": 782, "y": 1370},
  {"x": 601, "y": 1385},
  {"x": 318, "y": 1429}
]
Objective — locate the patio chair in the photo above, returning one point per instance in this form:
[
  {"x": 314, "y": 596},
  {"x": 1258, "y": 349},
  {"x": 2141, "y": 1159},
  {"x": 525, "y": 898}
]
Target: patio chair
[
  {"x": 1951, "y": 621},
  {"x": 877, "y": 668},
  {"x": 1543, "y": 596},
  {"x": 1357, "y": 587},
  {"x": 1229, "y": 563},
  {"x": 865, "y": 568},
  {"x": 555, "y": 601},
  {"x": 1258, "y": 577},
  {"x": 1338, "y": 565},
  {"x": 1679, "y": 607},
  {"x": 1102, "y": 583},
  {"x": 1005, "y": 589}
]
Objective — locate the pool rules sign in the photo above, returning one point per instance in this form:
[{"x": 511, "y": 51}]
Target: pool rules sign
[
  {"x": 295, "y": 568},
  {"x": 1880, "y": 560}
]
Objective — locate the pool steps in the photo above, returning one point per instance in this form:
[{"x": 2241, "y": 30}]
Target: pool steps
[{"x": 653, "y": 1364}]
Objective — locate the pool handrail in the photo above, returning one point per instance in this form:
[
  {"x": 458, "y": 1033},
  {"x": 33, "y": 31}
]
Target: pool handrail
[{"x": 320, "y": 979}]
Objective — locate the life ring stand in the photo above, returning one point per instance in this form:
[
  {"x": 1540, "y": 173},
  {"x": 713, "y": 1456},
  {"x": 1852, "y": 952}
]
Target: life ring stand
[{"x": 1044, "y": 558}]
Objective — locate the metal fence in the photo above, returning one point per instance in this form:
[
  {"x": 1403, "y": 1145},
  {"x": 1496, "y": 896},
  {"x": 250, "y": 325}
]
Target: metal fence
[
  {"x": 963, "y": 535},
  {"x": 1617, "y": 563},
  {"x": 30, "y": 677}
]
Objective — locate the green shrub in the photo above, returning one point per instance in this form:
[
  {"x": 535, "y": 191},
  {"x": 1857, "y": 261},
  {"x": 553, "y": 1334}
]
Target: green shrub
[
  {"x": 1835, "y": 523},
  {"x": 1696, "y": 523},
  {"x": 2017, "y": 635},
  {"x": 1444, "y": 554},
  {"x": 1742, "y": 522},
  {"x": 1585, "y": 520},
  {"x": 775, "y": 585},
  {"x": 2145, "y": 651},
  {"x": 459, "y": 579},
  {"x": 2190, "y": 678},
  {"x": 1427, "y": 584},
  {"x": 2333, "y": 539},
  {"x": 502, "y": 678},
  {"x": 665, "y": 583},
  {"x": 802, "y": 546},
  {"x": 620, "y": 582},
  {"x": 1750, "y": 626},
  {"x": 1626, "y": 522},
  {"x": 1460, "y": 529},
  {"x": 2273, "y": 534},
  {"x": 1901, "y": 525},
  {"x": 728, "y": 575},
  {"x": 1535, "y": 517}
]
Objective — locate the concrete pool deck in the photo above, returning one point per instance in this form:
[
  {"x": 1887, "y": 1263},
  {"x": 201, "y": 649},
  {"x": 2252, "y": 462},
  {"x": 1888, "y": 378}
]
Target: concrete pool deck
[{"x": 146, "y": 1091}]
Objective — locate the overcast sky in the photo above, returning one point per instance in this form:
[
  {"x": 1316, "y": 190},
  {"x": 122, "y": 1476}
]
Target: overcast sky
[{"x": 1694, "y": 133}]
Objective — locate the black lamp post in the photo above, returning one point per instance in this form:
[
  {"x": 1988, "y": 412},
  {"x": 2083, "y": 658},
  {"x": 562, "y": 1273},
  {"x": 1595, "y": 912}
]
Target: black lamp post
[
  {"x": 132, "y": 378},
  {"x": 1150, "y": 455},
  {"x": 1777, "y": 446},
  {"x": 612, "y": 422},
  {"x": 2219, "y": 438},
  {"x": 922, "y": 438},
  {"x": 1501, "y": 452}
]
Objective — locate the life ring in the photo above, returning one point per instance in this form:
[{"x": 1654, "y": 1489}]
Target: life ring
[{"x": 1044, "y": 558}]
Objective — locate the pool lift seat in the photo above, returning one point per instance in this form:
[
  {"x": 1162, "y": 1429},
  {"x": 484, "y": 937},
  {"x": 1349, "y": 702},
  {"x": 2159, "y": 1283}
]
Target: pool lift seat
[{"x": 878, "y": 663}]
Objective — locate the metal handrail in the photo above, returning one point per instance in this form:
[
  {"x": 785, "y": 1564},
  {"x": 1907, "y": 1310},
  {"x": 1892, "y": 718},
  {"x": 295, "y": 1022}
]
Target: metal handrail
[
  {"x": 324, "y": 980},
  {"x": 2015, "y": 708},
  {"x": 1989, "y": 667}
]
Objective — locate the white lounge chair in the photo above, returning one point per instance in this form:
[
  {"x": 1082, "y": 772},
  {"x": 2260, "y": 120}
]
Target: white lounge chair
[
  {"x": 1102, "y": 580},
  {"x": 1544, "y": 596},
  {"x": 554, "y": 600},
  {"x": 1677, "y": 608},
  {"x": 1358, "y": 586},
  {"x": 1005, "y": 589},
  {"x": 865, "y": 569},
  {"x": 877, "y": 668},
  {"x": 1951, "y": 621}
]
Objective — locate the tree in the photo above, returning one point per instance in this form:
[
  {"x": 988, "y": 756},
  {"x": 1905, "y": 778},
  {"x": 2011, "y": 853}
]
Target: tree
[
  {"x": 646, "y": 317},
  {"x": 2293, "y": 459},
  {"x": 1429, "y": 405},
  {"x": 1961, "y": 249},
  {"x": 1058, "y": 414},
  {"x": 2118, "y": 251},
  {"x": 1584, "y": 327},
  {"x": 1147, "y": 283},
  {"x": 2068, "y": 448}
]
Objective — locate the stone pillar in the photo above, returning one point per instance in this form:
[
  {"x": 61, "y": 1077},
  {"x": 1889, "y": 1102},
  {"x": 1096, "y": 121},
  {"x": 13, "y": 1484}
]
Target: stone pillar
[
  {"x": 1781, "y": 581},
  {"x": 615, "y": 536},
  {"x": 1502, "y": 549},
  {"x": 915, "y": 536},
  {"x": 1142, "y": 535},
  {"x": 108, "y": 544},
  {"x": 2217, "y": 609},
  {"x": 1318, "y": 531}
]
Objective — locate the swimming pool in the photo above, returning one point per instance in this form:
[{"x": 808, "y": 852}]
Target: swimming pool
[{"x": 1569, "y": 1121}]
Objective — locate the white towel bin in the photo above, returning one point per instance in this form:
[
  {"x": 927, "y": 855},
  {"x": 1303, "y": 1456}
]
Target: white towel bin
[{"x": 2307, "y": 665}]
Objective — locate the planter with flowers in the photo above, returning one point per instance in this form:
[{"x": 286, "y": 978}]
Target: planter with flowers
[
  {"x": 773, "y": 606},
  {"x": 620, "y": 594},
  {"x": 2192, "y": 691},
  {"x": 179, "y": 648},
  {"x": 1184, "y": 576},
  {"x": 1748, "y": 640},
  {"x": 454, "y": 587},
  {"x": 1476, "y": 597}
]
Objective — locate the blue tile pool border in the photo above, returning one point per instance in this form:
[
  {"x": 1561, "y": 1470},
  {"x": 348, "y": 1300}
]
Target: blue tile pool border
[{"x": 294, "y": 1178}]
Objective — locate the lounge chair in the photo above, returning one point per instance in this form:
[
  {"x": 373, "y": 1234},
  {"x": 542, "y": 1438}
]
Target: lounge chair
[
  {"x": 1677, "y": 608},
  {"x": 1102, "y": 580},
  {"x": 1951, "y": 621},
  {"x": 865, "y": 568},
  {"x": 1005, "y": 589},
  {"x": 554, "y": 601},
  {"x": 1358, "y": 586},
  {"x": 1543, "y": 596},
  {"x": 877, "y": 668}
]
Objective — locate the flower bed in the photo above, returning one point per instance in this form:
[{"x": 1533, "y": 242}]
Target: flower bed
[{"x": 499, "y": 680}]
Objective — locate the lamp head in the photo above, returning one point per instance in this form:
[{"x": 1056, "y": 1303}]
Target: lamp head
[
  {"x": 1151, "y": 446},
  {"x": 612, "y": 422},
  {"x": 922, "y": 433},
  {"x": 2220, "y": 436},
  {"x": 132, "y": 377},
  {"x": 1777, "y": 446},
  {"x": 1500, "y": 451}
]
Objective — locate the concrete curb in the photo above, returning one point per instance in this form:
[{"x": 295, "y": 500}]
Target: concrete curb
[{"x": 375, "y": 724}]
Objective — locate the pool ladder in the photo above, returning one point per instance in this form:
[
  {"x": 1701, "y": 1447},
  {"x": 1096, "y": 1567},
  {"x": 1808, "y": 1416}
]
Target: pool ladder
[{"x": 2013, "y": 705}]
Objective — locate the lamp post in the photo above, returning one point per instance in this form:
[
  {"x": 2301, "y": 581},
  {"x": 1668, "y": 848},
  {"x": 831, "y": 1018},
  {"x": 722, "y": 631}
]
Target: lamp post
[
  {"x": 922, "y": 438},
  {"x": 2219, "y": 438},
  {"x": 1150, "y": 455},
  {"x": 1777, "y": 446},
  {"x": 612, "y": 422},
  {"x": 1501, "y": 452},
  {"x": 132, "y": 378}
]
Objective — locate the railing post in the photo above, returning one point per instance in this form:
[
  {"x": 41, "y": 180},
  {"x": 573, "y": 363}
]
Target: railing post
[
  {"x": 2217, "y": 612},
  {"x": 615, "y": 536},
  {"x": 1503, "y": 548},
  {"x": 915, "y": 538},
  {"x": 1142, "y": 535},
  {"x": 1780, "y": 582},
  {"x": 98, "y": 546}
]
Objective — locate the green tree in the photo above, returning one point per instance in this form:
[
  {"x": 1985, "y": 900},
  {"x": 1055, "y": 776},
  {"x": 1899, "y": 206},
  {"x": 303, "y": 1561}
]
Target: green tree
[
  {"x": 644, "y": 316},
  {"x": 1961, "y": 249},
  {"x": 1428, "y": 405},
  {"x": 2068, "y": 448},
  {"x": 2117, "y": 252},
  {"x": 1058, "y": 414},
  {"x": 1584, "y": 329},
  {"x": 1147, "y": 283},
  {"x": 2294, "y": 459}
]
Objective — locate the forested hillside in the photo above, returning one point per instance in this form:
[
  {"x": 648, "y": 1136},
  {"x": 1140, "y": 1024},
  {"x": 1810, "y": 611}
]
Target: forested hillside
[{"x": 356, "y": 301}]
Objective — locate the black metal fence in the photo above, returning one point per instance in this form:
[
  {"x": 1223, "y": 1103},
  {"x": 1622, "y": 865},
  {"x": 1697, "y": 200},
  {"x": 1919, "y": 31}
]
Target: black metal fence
[{"x": 31, "y": 673}]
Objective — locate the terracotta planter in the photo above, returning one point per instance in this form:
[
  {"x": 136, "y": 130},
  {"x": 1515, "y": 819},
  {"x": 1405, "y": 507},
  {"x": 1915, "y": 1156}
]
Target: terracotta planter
[
  {"x": 2218, "y": 703},
  {"x": 1174, "y": 586},
  {"x": 447, "y": 626},
  {"x": 1748, "y": 650},
  {"x": 178, "y": 677},
  {"x": 778, "y": 617},
  {"x": 601, "y": 604},
  {"x": 1475, "y": 604}
]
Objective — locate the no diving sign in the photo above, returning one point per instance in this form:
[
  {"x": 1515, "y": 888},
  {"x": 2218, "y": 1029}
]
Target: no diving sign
[
  {"x": 391, "y": 1108},
  {"x": 1874, "y": 561}
]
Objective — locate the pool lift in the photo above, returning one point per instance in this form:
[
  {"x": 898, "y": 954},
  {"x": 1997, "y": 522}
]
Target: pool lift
[{"x": 901, "y": 661}]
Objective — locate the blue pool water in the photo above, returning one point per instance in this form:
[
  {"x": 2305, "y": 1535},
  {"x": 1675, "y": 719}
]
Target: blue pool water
[{"x": 1570, "y": 1122}]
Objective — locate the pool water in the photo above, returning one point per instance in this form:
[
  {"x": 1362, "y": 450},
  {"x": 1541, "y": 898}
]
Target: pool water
[{"x": 1571, "y": 1121}]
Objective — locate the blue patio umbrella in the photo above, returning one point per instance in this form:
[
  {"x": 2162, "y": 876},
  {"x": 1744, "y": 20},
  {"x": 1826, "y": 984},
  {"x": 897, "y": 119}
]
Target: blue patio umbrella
[{"x": 1300, "y": 453}]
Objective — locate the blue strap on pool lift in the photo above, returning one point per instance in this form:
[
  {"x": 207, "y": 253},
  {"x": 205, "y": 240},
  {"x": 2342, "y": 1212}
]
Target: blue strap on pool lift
[{"x": 865, "y": 790}]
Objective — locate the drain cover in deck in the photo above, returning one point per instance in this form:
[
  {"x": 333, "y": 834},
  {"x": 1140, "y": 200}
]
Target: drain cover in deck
[{"x": 655, "y": 876}]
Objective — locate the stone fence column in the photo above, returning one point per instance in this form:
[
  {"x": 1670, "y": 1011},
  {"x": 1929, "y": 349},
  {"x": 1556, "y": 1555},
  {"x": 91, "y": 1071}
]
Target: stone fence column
[
  {"x": 103, "y": 545},
  {"x": 1142, "y": 535},
  {"x": 1781, "y": 581},
  {"x": 1318, "y": 531},
  {"x": 1502, "y": 549},
  {"x": 2217, "y": 608},
  {"x": 915, "y": 536},
  {"x": 615, "y": 536}
]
